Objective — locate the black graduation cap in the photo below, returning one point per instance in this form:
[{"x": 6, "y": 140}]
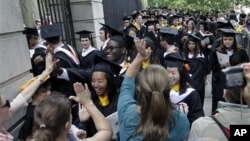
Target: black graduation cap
[
  {"x": 103, "y": 65},
  {"x": 191, "y": 19},
  {"x": 228, "y": 32},
  {"x": 160, "y": 17},
  {"x": 145, "y": 17},
  {"x": 224, "y": 24},
  {"x": 150, "y": 22},
  {"x": 187, "y": 14},
  {"x": 135, "y": 14},
  {"x": 174, "y": 17},
  {"x": 112, "y": 31},
  {"x": 151, "y": 36},
  {"x": 131, "y": 26},
  {"x": 49, "y": 31},
  {"x": 125, "y": 39},
  {"x": 85, "y": 34},
  {"x": 31, "y": 31},
  {"x": 168, "y": 33},
  {"x": 126, "y": 18},
  {"x": 193, "y": 38},
  {"x": 175, "y": 60}
]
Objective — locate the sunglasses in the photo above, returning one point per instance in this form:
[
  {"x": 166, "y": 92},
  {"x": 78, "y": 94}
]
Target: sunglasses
[{"x": 7, "y": 104}]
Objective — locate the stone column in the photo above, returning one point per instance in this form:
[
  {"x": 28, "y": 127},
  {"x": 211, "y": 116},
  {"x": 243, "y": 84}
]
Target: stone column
[
  {"x": 14, "y": 59},
  {"x": 30, "y": 12},
  {"x": 87, "y": 14}
]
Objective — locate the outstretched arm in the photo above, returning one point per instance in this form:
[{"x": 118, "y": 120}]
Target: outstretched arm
[{"x": 104, "y": 130}]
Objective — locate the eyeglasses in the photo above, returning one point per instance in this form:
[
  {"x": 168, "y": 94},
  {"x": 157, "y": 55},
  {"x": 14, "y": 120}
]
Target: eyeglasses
[
  {"x": 111, "y": 48},
  {"x": 7, "y": 104}
]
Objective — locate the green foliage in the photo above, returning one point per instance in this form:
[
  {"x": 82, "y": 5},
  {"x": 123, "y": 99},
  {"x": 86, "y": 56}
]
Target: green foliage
[{"x": 203, "y": 5}]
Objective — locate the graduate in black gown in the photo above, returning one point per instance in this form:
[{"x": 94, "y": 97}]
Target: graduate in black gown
[
  {"x": 88, "y": 52},
  {"x": 105, "y": 85},
  {"x": 37, "y": 50},
  {"x": 197, "y": 64},
  {"x": 182, "y": 91},
  {"x": 67, "y": 55},
  {"x": 237, "y": 55}
]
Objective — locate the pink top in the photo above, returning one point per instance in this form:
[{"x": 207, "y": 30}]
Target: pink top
[{"x": 5, "y": 136}]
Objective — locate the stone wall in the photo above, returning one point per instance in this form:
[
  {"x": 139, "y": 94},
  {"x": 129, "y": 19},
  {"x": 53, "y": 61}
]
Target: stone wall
[
  {"x": 14, "y": 59},
  {"x": 86, "y": 15}
]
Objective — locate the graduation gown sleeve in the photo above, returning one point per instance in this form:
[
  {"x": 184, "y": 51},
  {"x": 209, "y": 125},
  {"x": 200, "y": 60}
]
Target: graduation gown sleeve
[{"x": 195, "y": 106}]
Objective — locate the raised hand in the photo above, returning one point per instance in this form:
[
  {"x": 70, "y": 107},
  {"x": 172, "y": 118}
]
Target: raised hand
[
  {"x": 83, "y": 95},
  {"x": 143, "y": 52},
  {"x": 50, "y": 63}
]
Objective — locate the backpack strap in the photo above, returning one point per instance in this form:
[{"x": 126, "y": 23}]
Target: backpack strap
[{"x": 225, "y": 130}]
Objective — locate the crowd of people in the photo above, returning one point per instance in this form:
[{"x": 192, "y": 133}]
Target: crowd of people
[{"x": 146, "y": 82}]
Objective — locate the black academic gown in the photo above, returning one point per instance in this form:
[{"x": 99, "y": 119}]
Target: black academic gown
[
  {"x": 88, "y": 60},
  {"x": 197, "y": 74},
  {"x": 61, "y": 85},
  {"x": 26, "y": 129},
  {"x": 38, "y": 68},
  {"x": 193, "y": 101},
  {"x": 89, "y": 125},
  {"x": 217, "y": 83}
]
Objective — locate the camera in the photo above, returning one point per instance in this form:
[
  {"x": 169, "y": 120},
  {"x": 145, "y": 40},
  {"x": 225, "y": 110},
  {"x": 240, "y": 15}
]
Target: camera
[{"x": 233, "y": 77}]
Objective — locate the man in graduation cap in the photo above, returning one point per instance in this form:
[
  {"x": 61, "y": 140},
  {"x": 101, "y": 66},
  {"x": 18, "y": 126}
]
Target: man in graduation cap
[
  {"x": 126, "y": 21},
  {"x": 37, "y": 50},
  {"x": 67, "y": 55},
  {"x": 175, "y": 22},
  {"x": 151, "y": 26},
  {"x": 167, "y": 40},
  {"x": 88, "y": 52},
  {"x": 162, "y": 21},
  {"x": 137, "y": 24}
]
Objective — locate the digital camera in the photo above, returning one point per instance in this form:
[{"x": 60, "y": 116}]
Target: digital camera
[{"x": 233, "y": 77}]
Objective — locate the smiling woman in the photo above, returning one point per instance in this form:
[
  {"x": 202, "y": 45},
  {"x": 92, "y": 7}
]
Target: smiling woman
[{"x": 105, "y": 84}]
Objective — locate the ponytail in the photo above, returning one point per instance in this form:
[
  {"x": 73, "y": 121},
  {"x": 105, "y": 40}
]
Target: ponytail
[{"x": 43, "y": 134}]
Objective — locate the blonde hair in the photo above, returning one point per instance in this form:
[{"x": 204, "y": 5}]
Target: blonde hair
[{"x": 156, "y": 107}]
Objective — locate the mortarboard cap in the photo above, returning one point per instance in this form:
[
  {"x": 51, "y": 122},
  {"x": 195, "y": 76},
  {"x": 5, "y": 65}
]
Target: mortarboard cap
[
  {"x": 135, "y": 14},
  {"x": 175, "y": 60},
  {"x": 174, "y": 17},
  {"x": 160, "y": 17},
  {"x": 31, "y": 31},
  {"x": 168, "y": 33},
  {"x": 111, "y": 30},
  {"x": 224, "y": 24},
  {"x": 126, "y": 18},
  {"x": 151, "y": 40},
  {"x": 103, "y": 65},
  {"x": 50, "y": 31},
  {"x": 150, "y": 22},
  {"x": 84, "y": 34},
  {"x": 227, "y": 32},
  {"x": 191, "y": 19},
  {"x": 193, "y": 38},
  {"x": 145, "y": 17}
]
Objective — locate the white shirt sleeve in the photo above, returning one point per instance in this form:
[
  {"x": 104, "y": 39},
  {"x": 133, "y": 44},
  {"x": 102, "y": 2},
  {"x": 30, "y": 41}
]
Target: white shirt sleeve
[
  {"x": 17, "y": 103},
  {"x": 64, "y": 75}
]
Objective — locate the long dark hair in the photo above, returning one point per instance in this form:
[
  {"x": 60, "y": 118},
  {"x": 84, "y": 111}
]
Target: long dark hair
[
  {"x": 223, "y": 49},
  {"x": 196, "y": 49},
  {"x": 113, "y": 85}
]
